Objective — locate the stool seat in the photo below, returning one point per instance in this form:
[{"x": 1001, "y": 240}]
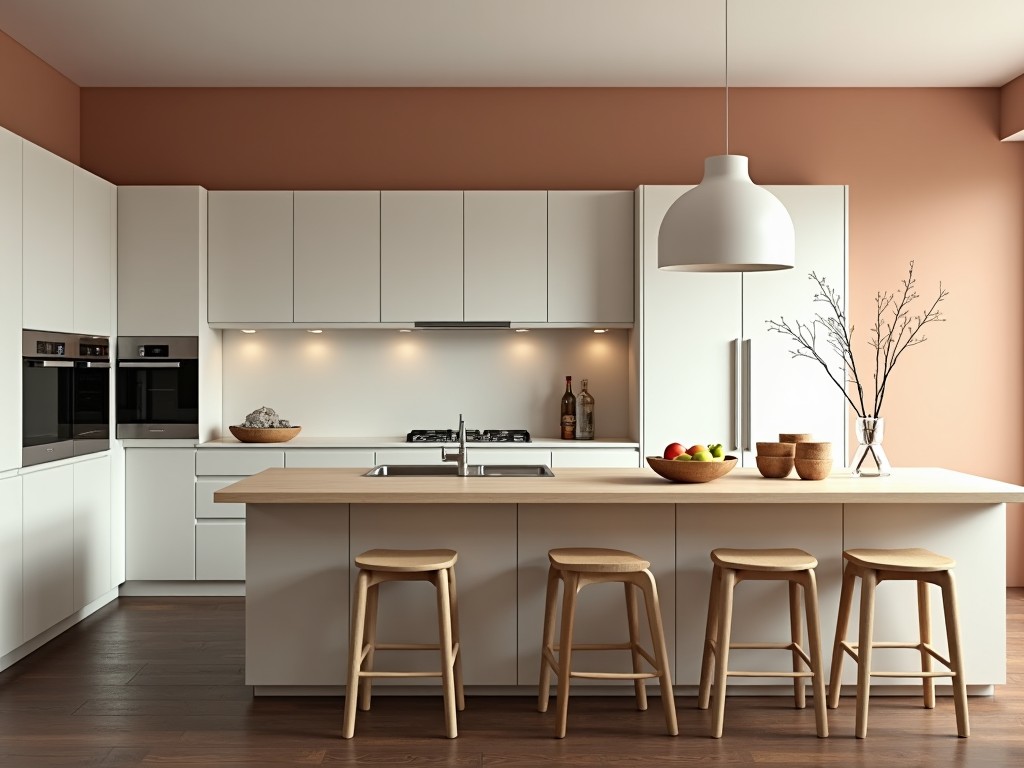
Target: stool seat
[
  {"x": 912, "y": 559},
  {"x": 596, "y": 560},
  {"x": 406, "y": 560},
  {"x": 780, "y": 560}
]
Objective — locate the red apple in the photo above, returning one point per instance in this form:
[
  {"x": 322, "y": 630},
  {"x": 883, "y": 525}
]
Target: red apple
[
  {"x": 693, "y": 450},
  {"x": 672, "y": 450}
]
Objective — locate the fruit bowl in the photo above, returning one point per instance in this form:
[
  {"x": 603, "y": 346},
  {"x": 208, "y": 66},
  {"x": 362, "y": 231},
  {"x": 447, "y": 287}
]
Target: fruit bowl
[
  {"x": 691, "y": 471},
  {"x": 264, "y": 434}
]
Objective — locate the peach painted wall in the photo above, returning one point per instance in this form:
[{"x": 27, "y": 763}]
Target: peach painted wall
[
  {"x": 36, "y": 101},
  {"x": 1012, "y": 109},
  {"x": 929, "y": 180}
]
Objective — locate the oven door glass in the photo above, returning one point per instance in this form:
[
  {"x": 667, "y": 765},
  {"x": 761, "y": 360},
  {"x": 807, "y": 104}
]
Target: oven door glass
[
  {"x": 91, "y": 415},
  {"x": 158, "y": 396},
  {"x": 46, "y": 410}
]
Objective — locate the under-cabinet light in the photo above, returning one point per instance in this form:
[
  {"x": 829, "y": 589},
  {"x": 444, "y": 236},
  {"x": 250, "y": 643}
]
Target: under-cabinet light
[
  {"x": 600, "y": 330},
  {"x": 313, "y": 330},
  {"x": 248, "y": 330}
]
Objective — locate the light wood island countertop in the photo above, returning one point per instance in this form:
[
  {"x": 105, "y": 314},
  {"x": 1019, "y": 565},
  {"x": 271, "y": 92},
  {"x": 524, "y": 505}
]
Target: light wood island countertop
[{"x": 912, "y": 485}]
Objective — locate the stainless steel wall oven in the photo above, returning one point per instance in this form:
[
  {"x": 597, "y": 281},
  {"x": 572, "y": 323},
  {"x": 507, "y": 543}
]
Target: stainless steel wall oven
[{"x": 158, "y": 387}]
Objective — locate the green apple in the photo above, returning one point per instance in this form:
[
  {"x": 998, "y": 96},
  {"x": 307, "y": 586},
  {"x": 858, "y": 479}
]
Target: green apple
[
  {"x": 702, "y": 456},
  {"x": 683, "y": 457},
  {"x": 717, "y": 450}
]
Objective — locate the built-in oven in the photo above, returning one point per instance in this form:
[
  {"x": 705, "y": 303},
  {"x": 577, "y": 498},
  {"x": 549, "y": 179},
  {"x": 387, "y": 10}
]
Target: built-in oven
[
  {"x": 158, "y": 387},
  {"x": 48, "y": 370},
  {"x": 90, "y": 398}
]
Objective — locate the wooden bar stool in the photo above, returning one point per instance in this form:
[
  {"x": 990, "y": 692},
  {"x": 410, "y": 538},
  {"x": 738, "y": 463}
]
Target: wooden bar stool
[
  {"x": 872, "y": 566},
  {"x": 375, "y": 567},
  {"x": 576, "y": 568},
  {"x": 733, "y": 566}
]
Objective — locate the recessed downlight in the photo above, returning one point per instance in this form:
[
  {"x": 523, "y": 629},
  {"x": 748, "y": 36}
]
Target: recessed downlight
[
  {"x": 522, "y": 330},
  {"x": 313, "y": 330},
  {"x": 248, "y": 330},
  {"x": 600, "y": 330}
]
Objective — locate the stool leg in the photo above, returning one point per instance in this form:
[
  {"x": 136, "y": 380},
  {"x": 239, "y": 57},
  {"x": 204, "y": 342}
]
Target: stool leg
[
  {"x": 632, "y": 618},
  {"x": 949, "y": 609},
  {"x": 370, "y": 642},
  {"x": 810, "y": 585},
  {"x": 868, "y": 582},
  {"x": 460, "y": 694},
  {"x": 796, "y": 634},
  {"x": 571, "y": 581},
  {"x": 355, "y": 654},
  {"x": 444, "y": 618},
  {"x": 547, "y": 641},
  {"x": 835, "y": 682},
  {"x": 653, "y": 606},
  {"x": 710, "y": 636},
  {"x": 722, "y": 649},
  {"x": 924, "y": 623}
]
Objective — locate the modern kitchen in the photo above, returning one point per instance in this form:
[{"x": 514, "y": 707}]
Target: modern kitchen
[{"x": 278, "y": 328}]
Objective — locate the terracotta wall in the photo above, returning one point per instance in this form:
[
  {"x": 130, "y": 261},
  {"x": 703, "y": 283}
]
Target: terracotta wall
[
  {"x": 36, "y": 101},
  {"x": 1012, "y": 109}
]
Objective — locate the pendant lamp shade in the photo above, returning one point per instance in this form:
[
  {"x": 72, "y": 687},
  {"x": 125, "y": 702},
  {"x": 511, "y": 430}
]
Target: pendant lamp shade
[{"x": 726, "y": 224}]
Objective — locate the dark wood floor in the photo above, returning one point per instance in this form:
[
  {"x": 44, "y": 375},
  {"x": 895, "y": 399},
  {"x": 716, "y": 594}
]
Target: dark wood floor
[{"x": 160, "y": 681}]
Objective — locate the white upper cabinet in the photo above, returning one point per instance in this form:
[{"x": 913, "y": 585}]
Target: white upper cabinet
[
  {"x": 161, "y": 245},
  {"x": 590, "y": 257},
  {"x": 93, "y": 248},
  {"x": 250, "y": 257},
  {"x": 421, "y": 256},
  {"x": 506, "y": 256},
  {"x": 48, "y": 246},
  {"x": 337, "y": 257},
  {"x": 10, "y": 298}
]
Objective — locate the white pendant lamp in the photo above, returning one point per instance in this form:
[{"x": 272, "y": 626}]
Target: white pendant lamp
[{"x": 726, "y": 223}]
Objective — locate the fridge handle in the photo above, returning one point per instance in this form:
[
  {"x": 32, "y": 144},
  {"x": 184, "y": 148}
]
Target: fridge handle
[
  {"x": 748, "y": 374},
  {"x": 734, "y": 438}
]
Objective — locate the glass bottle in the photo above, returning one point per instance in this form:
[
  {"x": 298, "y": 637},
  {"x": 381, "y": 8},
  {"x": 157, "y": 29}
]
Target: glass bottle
[
  {"x": 585, "y": 413},
  {"x": 568, "y": 423}
]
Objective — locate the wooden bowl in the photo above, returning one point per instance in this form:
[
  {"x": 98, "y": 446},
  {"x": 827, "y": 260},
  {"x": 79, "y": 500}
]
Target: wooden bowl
[
  {"x": 813, "y": 469},
  {"x": 809, "y": 450},
  {"x": 775, "y": 466},
  {"x": 691, "y": 471},
  {"x": 777, "y": 449},
  {"x": 794, "y": 437},
  {"x": 265, "y": 434}
]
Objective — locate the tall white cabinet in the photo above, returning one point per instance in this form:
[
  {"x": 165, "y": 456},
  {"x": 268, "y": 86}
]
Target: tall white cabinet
[
  {"x": 48, "y": 547},
  {"x": 10, "y": 298},
  {"x": 11, "y": 598},
  {"x": 95, "y": 199},
  {"x": 710, "y": 371}
]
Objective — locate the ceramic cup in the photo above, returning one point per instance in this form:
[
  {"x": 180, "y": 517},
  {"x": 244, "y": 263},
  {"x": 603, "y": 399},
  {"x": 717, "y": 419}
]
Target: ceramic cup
[
  {"x": 794, "y": 437},
  {"x": 774, "y": 466},
  {"x": 776, "y": 449},
  {"x": 808, "y": 450}
]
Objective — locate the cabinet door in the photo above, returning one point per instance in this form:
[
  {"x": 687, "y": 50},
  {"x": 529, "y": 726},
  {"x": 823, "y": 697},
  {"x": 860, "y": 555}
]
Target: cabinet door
[
  {"x": 413, "y": 455},
  {"x": 250, "y": 257},
  {"x": 10, "y": 299},
  {"x": 691, "y": 328},
  {"x": 506, "y": 256},
  {"x": 161, "y": 236},
  {"x": 220, "y": 550},
  {"x": 92, "y": 249},
  {"x": 786, "y": 394},
  {"x": 595, "y": 457},
  {"x": 160, "y": 518},
  {"x": 328, "y": 457},
  {"x": 485, "y": 538},
  {"x": 590, "y": 257},
  {"x": 48, "y": 246},
  {"x": 49, "y": 548},
  {"x": 337, "y": 257},
  {"x": 420, "y": 256},
  {"x": 92, "y": 530},
  {"x": 11, "y": 601}
]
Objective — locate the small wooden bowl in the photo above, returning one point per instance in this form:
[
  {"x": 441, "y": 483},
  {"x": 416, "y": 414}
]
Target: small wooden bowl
[
  {"x": 264, "y": 435},
  {"x": 814, "y": 451},
  {"x": 794, "y": 437},
  {"x": 813, "y": 469},
  {"x": 691, "y": 471},
  {"x": 775, "y": 466},
  {"x": 777, "y": 449}
]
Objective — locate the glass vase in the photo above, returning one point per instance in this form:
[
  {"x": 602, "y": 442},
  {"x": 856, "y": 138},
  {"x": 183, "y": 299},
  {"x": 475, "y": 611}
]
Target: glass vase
[{"x": 870, "y": 459}]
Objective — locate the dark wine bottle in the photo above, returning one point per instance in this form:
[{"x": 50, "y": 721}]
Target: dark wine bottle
[{"x": 568, "y": 411}]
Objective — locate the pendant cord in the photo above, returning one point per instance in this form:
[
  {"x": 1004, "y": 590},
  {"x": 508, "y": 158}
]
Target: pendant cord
[{"x": 727, "y": 77}]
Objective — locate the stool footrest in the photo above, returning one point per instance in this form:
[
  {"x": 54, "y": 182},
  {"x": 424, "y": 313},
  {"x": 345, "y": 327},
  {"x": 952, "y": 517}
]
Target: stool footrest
[
  {"x": 408, "y": 646},
  {"x": 615, "y": 675},
  {"x": 747, "y": 673},
  {"x": 597, "y": 647},
  {"x": 852, "y": 649},
  {"x": 941, "y": 673}
]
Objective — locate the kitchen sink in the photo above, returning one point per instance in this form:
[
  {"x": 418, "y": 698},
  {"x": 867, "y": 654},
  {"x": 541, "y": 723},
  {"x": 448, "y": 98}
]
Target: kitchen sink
[{"x": 449, "y": 470}]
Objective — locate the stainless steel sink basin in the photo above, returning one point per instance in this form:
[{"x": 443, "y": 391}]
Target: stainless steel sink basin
[{"x": 449, "y": 470}]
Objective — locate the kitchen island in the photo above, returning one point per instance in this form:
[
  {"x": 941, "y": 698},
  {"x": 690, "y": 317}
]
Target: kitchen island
[{"x": 304, "y": 526}]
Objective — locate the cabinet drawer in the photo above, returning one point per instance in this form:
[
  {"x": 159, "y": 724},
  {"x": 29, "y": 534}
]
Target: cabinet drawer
[
  {"x": 412, "y": 455},
  {"x": 220, "y": 550},
  {"x": 237, "y": 461},
  {"x": 509, "y": 456},
  {"x": 324, "y": 457},
  {"x": 207, "y": 508},
  {"x": 595, "y": 457}
]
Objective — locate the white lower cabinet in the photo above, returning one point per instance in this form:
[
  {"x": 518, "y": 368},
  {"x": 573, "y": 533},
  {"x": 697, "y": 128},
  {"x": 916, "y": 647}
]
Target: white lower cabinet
[
  {"x": 48, "y": 548},
  {"x": 328, "y": 457},
  {"x": 160, "y": 520},
  {"x": 485, "y": 538},
  {"x": 413, "y": 455},
  {"x": 11, "y": 600},
  {"x": 601, "y": 610},
  {"x": 220, "y": 550},
  {"x": 508, "y": 456},
  {"x": 595, "y": 457},
  {"x": 760, "y": 612},
  {"x": 92, "y": 530}
]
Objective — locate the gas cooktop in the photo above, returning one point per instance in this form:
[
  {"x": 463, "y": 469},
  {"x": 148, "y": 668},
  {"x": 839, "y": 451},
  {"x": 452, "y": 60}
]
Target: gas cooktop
[{"x": 472, "y": 436}]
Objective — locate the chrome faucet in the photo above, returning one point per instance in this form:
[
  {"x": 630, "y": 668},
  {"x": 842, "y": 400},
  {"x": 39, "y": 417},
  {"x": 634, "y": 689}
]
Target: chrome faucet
[{"x": 460, "y": 457}]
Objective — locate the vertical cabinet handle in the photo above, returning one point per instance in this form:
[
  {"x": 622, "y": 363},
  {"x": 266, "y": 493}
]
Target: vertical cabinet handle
[
  {"x": 748, "y": 376},
  {"x": 734, "y": 438}
]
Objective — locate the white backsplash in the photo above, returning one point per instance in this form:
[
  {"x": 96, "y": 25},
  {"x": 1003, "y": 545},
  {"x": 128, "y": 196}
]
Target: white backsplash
[{"x": 382, "y": 382}]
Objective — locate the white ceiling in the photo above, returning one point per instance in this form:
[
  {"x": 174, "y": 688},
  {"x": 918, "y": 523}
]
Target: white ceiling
[{"x": 422, "y": 43}]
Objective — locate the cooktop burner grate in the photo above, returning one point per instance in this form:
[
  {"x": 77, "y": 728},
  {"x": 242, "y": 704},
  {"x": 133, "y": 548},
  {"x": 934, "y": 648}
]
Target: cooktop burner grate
[{"x": 472, "y": 436}]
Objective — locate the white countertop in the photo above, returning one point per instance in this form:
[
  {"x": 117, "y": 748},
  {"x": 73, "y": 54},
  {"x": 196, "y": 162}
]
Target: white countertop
[{"x": 399, "y": 442}]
